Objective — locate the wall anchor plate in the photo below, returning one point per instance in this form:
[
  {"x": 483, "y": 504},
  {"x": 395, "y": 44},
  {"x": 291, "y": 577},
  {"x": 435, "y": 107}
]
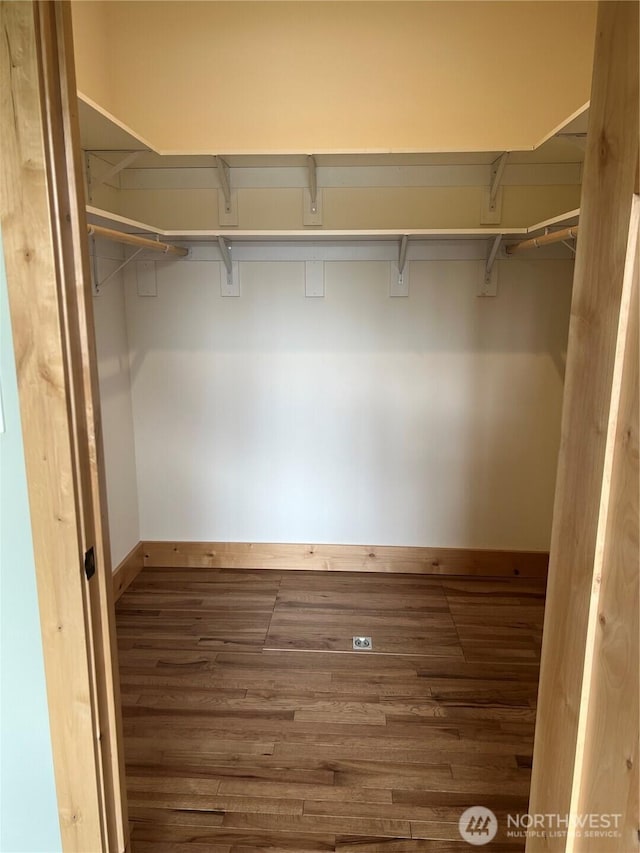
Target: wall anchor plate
[{"x": 362, "y": 644}]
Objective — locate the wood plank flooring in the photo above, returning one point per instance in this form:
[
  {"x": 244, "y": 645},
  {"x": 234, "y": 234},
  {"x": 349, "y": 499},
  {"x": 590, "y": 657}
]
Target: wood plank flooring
[{"x": 250, "y": 725}]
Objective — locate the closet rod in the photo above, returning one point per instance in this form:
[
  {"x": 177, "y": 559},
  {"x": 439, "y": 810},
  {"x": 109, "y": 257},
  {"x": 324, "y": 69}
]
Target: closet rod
[
  {"x": 543, "y": 240},
  {"x": 135, "y": 240}
]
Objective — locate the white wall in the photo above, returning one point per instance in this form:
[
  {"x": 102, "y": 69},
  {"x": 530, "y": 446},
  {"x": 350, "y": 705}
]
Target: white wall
[
  {"x": 115, "y": 395},
  {"x": 355, "y": 418}
]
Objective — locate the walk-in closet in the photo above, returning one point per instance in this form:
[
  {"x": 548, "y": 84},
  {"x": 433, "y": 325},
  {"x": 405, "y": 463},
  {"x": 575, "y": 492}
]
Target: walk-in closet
[{"x": 348, "y": 299}]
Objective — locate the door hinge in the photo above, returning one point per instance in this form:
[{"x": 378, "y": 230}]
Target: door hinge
[{"x": 90, "y": 563}]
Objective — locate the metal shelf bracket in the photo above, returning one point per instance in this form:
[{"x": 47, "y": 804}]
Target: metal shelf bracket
[
  {"x": 489, "y": 285},
  {"x": 125, "y": 263},
  {"x": 313, "y": 182},
  {"x": 228, "y": 203},
  {"x": 402, "y": 256},
  {"x": 118, "y": 167},
  {"x": 229, "y": 278},
  {"x": 497, "y": 172},
  {"x": 224, "y": 176},
  {"x": 399, "y": 283},
  {"x": 491, "y": 209},
  {"x": 312, "y": 196}
]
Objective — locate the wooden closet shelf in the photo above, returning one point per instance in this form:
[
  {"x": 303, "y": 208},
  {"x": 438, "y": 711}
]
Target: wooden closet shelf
[{"x": 100, "y": 217}]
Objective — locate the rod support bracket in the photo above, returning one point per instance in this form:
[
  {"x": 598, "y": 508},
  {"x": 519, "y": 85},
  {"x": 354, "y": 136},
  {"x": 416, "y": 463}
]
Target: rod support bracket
[
  {"x": 399, "y": 282},
  {"x": 229, "y": 278},
  {"x": 226, "y": 254},
  {"x": 402, "y": 255},
  {"x": 125, "y": 263},
  {"x": 489, "y": 285}
]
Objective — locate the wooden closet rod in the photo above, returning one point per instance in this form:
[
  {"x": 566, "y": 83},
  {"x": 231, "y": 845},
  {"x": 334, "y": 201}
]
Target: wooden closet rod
[
  {"x": 543, "y": 240},
  {"x": 135, "y": 240}
]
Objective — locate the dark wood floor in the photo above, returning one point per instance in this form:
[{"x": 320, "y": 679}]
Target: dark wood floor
[{"x": 250, "y": 726}]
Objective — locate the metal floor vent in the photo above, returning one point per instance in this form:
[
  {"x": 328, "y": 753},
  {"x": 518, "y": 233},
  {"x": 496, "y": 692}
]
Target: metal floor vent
[{"x": 362, "y": 644}]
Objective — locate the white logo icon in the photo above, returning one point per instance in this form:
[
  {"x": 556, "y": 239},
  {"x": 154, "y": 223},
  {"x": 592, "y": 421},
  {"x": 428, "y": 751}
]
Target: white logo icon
[{"x": 478, "y": 825}]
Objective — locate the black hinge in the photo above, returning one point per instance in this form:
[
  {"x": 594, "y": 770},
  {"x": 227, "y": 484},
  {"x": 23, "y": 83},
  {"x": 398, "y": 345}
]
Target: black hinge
[{"x": 90, "y": 563}]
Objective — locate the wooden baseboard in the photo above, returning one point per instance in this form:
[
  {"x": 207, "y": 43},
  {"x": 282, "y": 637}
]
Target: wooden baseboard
[
  {"x": 128, "y": 570},
  {"x": 346, "y": 558}
]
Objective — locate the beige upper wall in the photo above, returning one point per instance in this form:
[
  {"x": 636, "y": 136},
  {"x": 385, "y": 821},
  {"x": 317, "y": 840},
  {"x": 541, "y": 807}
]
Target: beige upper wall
[
  {"x": 92, "y": 43},
  {"x": 231, "y": 77}
]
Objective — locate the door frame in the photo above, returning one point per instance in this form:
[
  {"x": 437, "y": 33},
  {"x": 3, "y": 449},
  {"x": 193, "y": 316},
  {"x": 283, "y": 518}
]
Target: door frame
[
  {"x": 49, "y": 284},
  {"x": 585, "y": 759},
  {"x": 44, "y": 233}
]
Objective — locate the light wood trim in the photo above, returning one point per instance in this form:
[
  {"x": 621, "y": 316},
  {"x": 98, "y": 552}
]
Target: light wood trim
[
  {"x": 50, "y": 302},
  {"x": 346, "y": 558},
  {"x": 128, "y": 570},
  {"x": 56, "y": 18},
  {"x": 606, "y": 775},
  {"x": 136, "y": 240},
  {"x": 543, "y": 240},
  {"x": 609, "y": 179}
]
